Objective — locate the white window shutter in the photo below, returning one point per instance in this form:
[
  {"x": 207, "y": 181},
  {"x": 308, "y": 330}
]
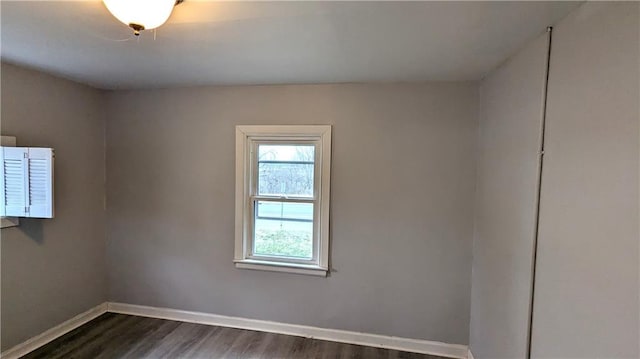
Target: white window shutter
[
  {"x": 14, "y": 179},
  {"x": 40, "y": 190}
]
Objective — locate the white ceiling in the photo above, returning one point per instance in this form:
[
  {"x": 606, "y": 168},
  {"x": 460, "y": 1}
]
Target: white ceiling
[{"x": 208, "y": 42}]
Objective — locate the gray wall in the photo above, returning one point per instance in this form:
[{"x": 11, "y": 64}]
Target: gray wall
[
  {"x": 586, "y": 290},
  {"x": 506, "y": 201},
  {"x": 53, "y": 269},
  {"x": 401, "y": 226}
]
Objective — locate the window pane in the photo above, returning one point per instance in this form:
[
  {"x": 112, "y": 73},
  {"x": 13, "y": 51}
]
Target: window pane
[
  {"x": 284, "y": 229},
  {"x": 286, "y": 170}
]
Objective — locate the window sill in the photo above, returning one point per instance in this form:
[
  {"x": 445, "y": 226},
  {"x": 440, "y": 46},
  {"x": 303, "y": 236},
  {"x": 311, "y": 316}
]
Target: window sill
[{"x": 281, "y": 267}]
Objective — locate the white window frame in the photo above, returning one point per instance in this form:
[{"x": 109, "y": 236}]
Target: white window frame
[{"x": 247, "y": 140}]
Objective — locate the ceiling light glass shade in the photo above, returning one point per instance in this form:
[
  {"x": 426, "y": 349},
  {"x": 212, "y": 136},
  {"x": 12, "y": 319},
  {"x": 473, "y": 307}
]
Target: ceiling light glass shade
[{"x": 147, "y": 13}]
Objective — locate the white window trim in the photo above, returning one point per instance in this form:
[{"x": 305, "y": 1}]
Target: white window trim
[{"x": 245, "y": 136}]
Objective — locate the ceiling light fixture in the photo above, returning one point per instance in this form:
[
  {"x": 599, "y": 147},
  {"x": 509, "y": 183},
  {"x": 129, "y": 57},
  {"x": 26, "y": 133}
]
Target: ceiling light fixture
[{"x": 141, "y": 14}]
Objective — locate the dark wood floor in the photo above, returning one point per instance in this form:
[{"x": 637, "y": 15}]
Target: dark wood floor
[{"x": 125, "y": 336}]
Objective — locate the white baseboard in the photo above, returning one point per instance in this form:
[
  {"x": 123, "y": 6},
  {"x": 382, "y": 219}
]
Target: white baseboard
[
  {"x": 39, "y": 340},
  {"x": 380, "y": 341},
  {"x": 470, "y": 355},
  {"x": 457, "y": 351}
]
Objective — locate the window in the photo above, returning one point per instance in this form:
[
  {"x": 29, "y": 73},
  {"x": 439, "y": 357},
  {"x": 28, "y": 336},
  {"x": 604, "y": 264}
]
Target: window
[
  {"x": 26, "y": 182},
  {"x": 282, "y": 198}
]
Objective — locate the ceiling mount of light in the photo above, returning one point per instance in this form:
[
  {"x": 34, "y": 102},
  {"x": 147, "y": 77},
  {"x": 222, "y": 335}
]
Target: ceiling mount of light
[{"x": 141, "y": 14}]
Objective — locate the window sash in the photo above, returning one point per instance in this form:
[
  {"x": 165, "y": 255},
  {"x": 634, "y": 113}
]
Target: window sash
[
  {"x": 277, "y": 258},
  {"x": 254, "y": 143}
]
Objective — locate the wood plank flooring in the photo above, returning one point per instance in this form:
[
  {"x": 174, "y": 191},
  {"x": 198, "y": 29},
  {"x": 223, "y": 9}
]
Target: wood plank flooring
[{"x": 124, "y": 336}]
